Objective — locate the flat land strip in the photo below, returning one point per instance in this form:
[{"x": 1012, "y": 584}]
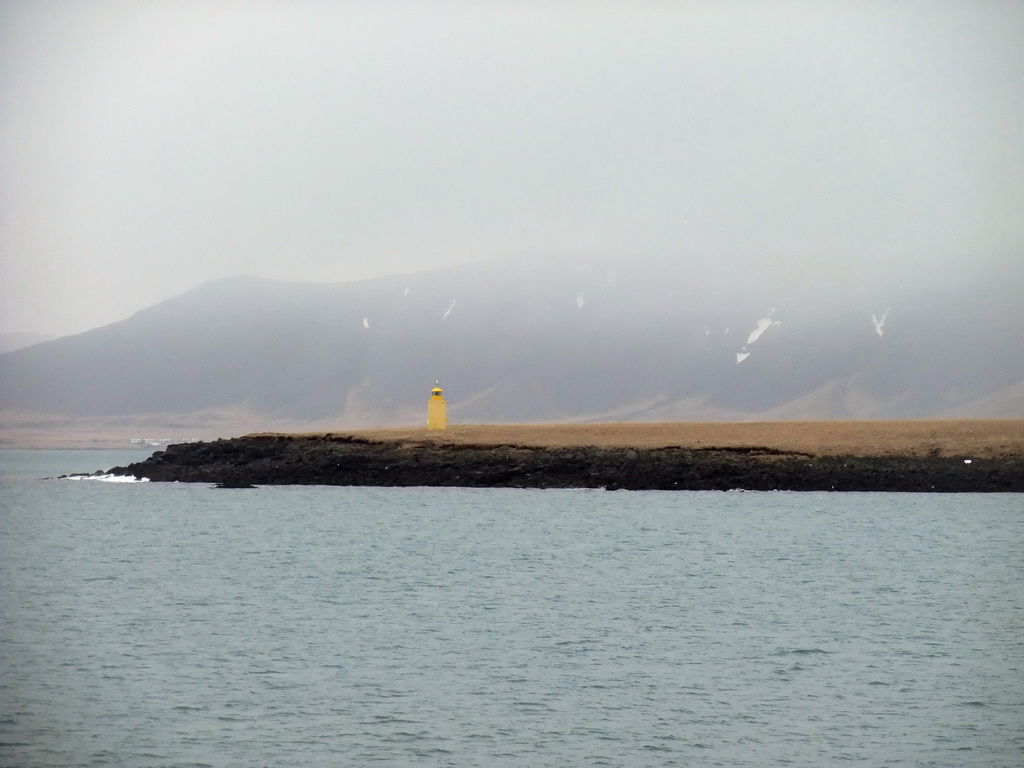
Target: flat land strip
[{"x": 966, "y": 438}]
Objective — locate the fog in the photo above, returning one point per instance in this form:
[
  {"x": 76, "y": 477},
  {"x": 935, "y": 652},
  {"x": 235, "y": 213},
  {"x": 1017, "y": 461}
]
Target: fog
[{"x": 148, "y": 147}]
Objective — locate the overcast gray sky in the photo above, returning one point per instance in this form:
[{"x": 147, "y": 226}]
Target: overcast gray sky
[{"x": 146, "y": 147}]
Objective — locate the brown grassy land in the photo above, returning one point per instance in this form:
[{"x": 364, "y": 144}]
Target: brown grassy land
[{"x": 968, "y": 438}]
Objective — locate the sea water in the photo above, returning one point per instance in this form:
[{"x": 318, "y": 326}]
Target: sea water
[{"x": 152, "y": 624}]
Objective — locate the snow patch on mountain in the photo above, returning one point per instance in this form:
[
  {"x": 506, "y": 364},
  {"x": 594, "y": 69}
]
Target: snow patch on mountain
[
  {"x": 762, "y": 325},
  {"x": 880, "y": 321}
]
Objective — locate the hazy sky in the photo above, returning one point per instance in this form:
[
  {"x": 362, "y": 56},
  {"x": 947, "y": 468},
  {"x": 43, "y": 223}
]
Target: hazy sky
[{"x": 146, "y": 147}]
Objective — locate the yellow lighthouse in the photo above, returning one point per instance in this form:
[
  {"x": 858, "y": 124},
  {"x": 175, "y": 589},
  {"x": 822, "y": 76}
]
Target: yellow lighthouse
[{"x": 436, "y": 416}]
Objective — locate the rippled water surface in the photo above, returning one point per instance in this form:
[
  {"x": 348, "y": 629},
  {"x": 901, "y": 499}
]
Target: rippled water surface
[{"x": 177, "y": 625}]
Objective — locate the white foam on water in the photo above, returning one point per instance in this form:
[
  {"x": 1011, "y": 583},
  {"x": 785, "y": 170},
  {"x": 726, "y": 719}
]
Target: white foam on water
[
  {"x": 449, "y": 310},
  {"x": 580, "y": 301},
  {"x": 366, "y": 322},
  {"x": 741, "y": 356},
  {"x": 109, "y": 478}
]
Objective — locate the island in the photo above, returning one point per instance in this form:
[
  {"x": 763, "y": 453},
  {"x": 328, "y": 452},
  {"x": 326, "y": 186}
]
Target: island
[{"x": 895, "y": 456}]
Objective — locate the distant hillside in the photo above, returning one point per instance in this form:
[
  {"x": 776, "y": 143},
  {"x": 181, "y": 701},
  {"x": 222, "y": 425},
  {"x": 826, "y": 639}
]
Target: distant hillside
[
  {"x": 12, "y": 341},
  {"x": 534, "y": 340}
]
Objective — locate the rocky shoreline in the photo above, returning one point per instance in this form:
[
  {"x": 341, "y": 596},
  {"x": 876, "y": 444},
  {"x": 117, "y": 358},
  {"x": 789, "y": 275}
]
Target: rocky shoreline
[{"x": 350, "y": 460}]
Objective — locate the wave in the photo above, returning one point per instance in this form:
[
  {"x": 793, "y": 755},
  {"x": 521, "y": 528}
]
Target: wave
[{"x": 109, "y": 478}]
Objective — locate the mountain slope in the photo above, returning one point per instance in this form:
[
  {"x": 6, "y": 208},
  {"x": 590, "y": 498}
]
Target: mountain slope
[
  {"x": 12, "y": 341},
  {"x": 540, "y": 340}
]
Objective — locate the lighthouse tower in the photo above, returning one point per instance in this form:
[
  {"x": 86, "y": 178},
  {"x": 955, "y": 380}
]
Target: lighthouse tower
[{"x": 437, "y": 418}]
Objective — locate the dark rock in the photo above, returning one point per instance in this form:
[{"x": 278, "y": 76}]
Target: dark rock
[{"x": 338, "y": 460}]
